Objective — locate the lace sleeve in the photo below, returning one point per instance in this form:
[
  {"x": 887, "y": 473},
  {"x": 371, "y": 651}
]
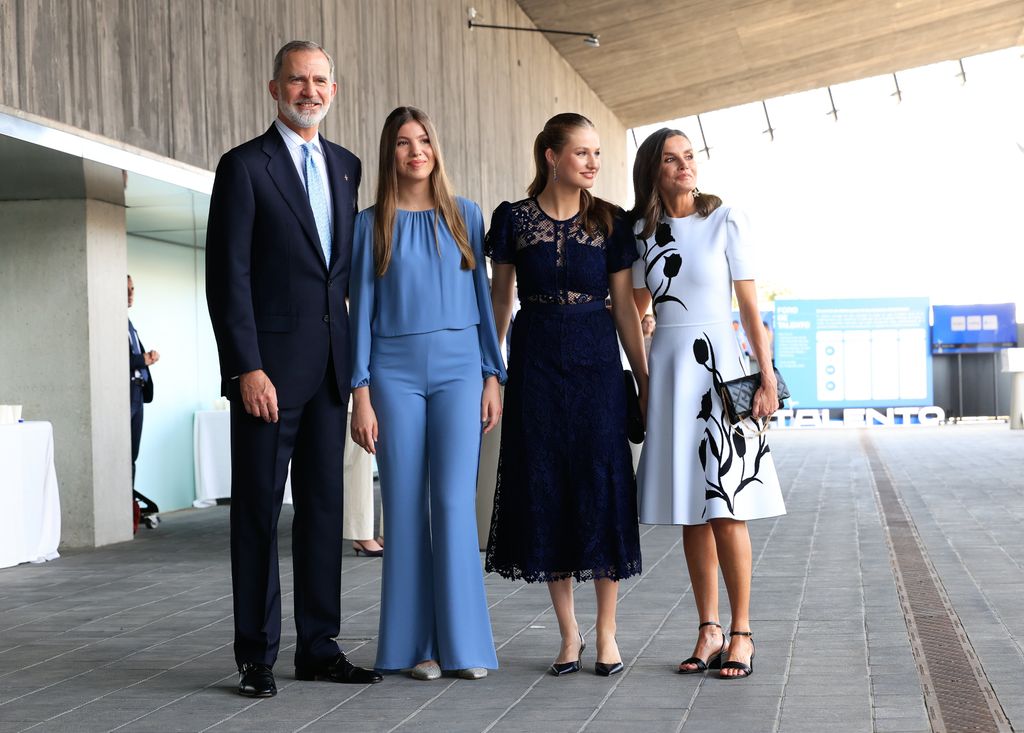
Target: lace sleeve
[
  {"x": 499, "y": 244},
  {"x": 620, "y": 247}
]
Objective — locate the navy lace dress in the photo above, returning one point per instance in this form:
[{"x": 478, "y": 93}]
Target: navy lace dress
[{"x": 565, "y": 504}]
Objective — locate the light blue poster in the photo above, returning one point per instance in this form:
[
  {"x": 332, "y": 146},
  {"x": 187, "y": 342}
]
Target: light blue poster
[{"x": 872, "y": 352}]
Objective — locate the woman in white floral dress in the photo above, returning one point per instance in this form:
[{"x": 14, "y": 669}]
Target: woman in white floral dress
[{"x": 697, "y": 470}]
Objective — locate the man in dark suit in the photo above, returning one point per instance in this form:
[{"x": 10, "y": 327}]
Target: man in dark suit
[
  {"x": 278, "y": 249},
  {"x": 139, "y": 361}
]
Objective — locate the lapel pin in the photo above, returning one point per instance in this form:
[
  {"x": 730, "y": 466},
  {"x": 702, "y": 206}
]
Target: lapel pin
[{"x": 346, "y": 176}]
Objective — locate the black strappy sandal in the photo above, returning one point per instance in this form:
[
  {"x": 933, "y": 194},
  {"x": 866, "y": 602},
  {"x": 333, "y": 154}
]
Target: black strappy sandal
[
  {"x": 747, "y": 669},
  {"x": 712, "y": 662}
]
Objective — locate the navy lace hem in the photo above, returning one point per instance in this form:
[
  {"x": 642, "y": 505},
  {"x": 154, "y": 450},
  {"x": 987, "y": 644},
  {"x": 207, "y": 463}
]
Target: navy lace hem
[{"x": 565, "y": 502}]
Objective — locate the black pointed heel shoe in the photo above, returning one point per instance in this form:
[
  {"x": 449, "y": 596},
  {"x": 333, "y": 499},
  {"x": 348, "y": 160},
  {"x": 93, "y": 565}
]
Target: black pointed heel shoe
[
  {"x": 702, "y": 665},
  {"x": 607, "y": 670},
  {"x": 569, "y": 667},
  {"x": 747, "y": 669},
  {"x": 358, "y": 548}
]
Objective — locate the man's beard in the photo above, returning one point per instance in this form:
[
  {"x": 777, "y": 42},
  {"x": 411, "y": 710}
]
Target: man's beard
[{"x": 303, "y": 120}]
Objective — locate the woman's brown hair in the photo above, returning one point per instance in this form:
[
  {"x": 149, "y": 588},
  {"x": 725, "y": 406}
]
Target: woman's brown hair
[
  {"x": 445, "y": 205},
  {"x": 595, "y": 214},
  {"x": 647, "y": 204}
]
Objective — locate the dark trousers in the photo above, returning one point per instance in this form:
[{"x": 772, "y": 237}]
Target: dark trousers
[
  {"x": 136, "y": 400},
  {"x": 312, "y": 437}
]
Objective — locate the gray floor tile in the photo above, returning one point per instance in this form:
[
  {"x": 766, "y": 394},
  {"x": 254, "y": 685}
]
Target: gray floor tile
[{"x": 137, "y": 635}]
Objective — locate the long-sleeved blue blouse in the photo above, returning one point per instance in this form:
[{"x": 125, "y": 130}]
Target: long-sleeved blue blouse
[{"x": 422, "y": 291}]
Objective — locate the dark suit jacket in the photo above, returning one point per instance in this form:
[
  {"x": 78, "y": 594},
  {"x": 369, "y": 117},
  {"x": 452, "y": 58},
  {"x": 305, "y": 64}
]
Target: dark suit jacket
[
  {"x": 138, "y": 361},
  {"x": 274, "y": 303}
]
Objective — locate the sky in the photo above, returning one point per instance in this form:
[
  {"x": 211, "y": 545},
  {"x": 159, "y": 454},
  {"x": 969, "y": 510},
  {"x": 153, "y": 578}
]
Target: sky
[{"x": 919, "y": 197}]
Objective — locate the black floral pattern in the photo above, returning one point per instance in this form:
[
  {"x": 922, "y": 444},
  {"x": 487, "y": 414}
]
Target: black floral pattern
[
  {"x": 671, "y": 261},
  {"x": 672, "y": 264},
  {"x": 663, "y": 234},
  {"x": 724, "y": 447}
]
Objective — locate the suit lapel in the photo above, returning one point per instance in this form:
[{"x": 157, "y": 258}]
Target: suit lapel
[{"x": 282, "y": 171}]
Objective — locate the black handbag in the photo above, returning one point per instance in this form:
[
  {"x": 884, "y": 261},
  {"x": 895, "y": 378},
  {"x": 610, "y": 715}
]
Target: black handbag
[
  {"x": 634, "y": 418},
  {"x": 738, "y": 395}
]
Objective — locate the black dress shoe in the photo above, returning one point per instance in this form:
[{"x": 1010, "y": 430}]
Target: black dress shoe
[
  {"x": 338, "y": 669},
  {"x": 607, "y": 670},
  {"x": 256, "y": 680}
]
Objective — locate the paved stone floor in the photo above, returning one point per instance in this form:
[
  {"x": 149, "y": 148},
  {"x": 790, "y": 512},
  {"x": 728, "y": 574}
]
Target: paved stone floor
[{"x": 136, "y": 637}]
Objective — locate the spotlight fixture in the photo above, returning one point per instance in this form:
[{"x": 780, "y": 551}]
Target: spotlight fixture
[{"x": 590, "y": 39}]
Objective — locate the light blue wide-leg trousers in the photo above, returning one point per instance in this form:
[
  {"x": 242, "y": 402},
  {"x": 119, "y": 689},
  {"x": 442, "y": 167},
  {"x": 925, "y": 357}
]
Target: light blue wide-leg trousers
[{"x": 426, "y": 389}]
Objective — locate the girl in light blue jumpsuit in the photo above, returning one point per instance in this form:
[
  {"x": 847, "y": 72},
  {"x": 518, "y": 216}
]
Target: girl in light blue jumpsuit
[{"x": 426, "y": 368}]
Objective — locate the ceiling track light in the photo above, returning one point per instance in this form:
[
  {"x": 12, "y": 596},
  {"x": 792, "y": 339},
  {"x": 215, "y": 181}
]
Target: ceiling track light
[
  {"x": 590, "y": 39},
  {"x": 833, "y": 113}
]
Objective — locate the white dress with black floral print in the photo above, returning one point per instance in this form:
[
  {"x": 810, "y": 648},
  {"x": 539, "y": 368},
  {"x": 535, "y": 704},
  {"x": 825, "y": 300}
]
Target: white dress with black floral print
[{"x": 695, "y": 465}]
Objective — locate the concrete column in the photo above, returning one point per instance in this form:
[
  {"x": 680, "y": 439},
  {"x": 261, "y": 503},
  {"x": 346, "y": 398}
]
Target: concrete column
[
  {"x": 1012, "y": 361},
  {"x": 64, "y": 339}
]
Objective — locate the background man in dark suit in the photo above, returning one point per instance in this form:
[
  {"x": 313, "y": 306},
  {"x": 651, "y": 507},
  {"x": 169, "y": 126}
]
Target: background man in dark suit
[
  {"x": 139, "y": 361},
  {"x": 279, "y": 245}
]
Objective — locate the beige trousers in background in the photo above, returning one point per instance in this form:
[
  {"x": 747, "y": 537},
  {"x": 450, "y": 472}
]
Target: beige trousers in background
[{"x": 358, "y": 500}]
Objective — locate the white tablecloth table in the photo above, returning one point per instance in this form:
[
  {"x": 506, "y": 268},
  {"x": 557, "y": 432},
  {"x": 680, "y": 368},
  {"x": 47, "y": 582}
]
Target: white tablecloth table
[
  {"x": 29, "y": 501},
  {"x": 211, "y": 439}
]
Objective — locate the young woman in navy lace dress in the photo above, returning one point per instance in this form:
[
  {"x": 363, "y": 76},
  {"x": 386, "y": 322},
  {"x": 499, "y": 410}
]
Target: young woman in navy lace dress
[{"x": 565, "y": 504}]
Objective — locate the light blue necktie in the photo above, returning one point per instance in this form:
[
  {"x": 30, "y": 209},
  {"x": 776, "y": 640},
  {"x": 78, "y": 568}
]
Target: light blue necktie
[{"x": 317, "y": 200}]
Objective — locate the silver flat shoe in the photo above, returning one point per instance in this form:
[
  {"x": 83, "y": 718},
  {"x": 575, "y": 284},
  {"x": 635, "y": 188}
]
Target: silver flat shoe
[
  {"x": 426, "y": 671},
  {"x": 472, "y": 673}
]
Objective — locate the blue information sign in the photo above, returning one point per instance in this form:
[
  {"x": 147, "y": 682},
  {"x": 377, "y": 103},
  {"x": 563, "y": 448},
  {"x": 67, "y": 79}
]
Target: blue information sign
[
  {"x": 974, "y": 328},
  {"x": 870, "y": 352}
]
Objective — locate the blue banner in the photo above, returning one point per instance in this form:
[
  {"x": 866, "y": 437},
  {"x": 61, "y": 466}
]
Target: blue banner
[
  {"x": 974, "y": 328},
  {"x": 871, "y": 352}
]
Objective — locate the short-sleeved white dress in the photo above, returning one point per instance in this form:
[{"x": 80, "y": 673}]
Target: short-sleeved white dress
[{"x": 695, "y": 466}]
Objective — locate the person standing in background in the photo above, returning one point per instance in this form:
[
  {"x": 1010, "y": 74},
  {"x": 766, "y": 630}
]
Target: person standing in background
[
  {"x": 358, "y": 523},
  {"x": 279, "y": 248},
  {"x": 140, "y": 378}
]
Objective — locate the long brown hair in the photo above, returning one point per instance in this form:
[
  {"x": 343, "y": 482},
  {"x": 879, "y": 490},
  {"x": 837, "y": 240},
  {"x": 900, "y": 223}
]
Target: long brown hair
[
  {"x": 595, "y": 213},
  {"x": 647, "y": 204},
  {"x": 445, "y": 205}
]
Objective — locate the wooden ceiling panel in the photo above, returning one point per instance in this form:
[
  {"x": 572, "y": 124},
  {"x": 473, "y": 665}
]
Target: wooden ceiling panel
[{"x": 663, "y": 59}]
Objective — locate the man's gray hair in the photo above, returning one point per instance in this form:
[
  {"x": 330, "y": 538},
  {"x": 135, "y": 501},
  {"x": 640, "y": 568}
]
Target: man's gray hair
[{"x": 299, "y": 46}]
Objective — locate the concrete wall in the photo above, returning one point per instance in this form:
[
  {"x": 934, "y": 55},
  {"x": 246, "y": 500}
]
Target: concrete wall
[
  {"x": 62, "y": 352},
  {"x": 187, "y": 78}
]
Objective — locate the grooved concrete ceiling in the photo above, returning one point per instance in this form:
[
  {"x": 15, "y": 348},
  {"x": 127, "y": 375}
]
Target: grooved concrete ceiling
[{"x": 663, "y": 59}]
